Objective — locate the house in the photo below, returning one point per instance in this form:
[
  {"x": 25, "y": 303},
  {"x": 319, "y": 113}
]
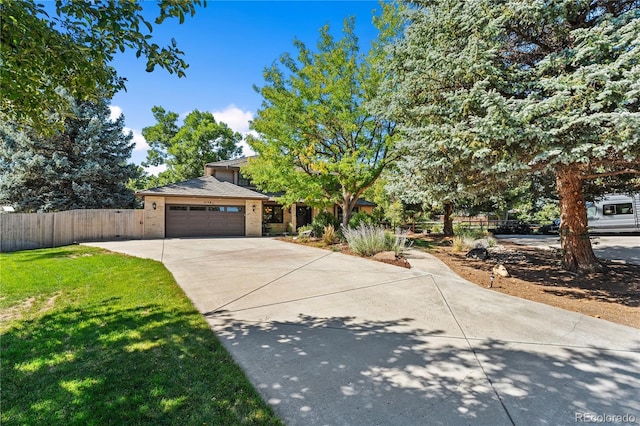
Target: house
[{"x": 223, "y": 202}]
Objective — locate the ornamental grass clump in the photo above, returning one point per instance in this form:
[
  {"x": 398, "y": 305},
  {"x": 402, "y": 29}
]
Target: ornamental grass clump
[
  {"x": 367, "y": 240},
  {"x": 329, "y": 235},
  {"x": 458, "y": 244}
]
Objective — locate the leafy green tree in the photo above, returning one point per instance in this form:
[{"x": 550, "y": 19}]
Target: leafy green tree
[
  {"x": 507, "y": 89},
  {"x": 71, "y": 50},
  {"x": 317, "y": 140},
  {"x": 83, "y": 167},
  {"x": 186, "y": 149}
]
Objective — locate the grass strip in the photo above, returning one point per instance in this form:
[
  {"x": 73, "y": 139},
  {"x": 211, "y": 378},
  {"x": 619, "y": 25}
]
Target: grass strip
[{"x": 90, "y": 337}]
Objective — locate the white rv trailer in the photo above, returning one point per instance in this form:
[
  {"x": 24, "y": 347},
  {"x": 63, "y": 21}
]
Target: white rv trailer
[{"x": 614, "y": 213}]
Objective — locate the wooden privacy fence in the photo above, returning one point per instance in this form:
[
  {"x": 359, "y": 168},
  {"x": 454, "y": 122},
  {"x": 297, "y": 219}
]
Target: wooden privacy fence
[{"x": 22, "y": 231}]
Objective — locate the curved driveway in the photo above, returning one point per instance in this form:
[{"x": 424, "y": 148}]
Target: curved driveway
[
  {"x": 334, "y": 339},
  {"x": 622, "y": 248}
]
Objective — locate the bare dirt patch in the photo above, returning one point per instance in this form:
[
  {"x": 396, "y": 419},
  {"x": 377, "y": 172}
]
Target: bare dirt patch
[
  {"x": 15, "y": 312},
  {"x": 536, "y": 274},
  {"x": 25, "y": 308}
]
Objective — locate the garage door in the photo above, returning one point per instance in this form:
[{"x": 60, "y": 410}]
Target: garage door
[{"x": 204, "y": 221}]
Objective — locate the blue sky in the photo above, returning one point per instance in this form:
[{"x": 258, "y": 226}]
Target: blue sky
[{"x": 227, "y": 44}]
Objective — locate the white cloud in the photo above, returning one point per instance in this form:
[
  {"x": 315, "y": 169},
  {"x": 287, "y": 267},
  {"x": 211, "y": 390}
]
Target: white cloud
[
  {"x": 246, "y": 149},
  {"x": 155, "y": 170},
  {"x": 115, "y": 112},
  {"x": 235, "y": 118},
  {"x": 141, "y": 142},
  {"x": 238, "y": 121}
]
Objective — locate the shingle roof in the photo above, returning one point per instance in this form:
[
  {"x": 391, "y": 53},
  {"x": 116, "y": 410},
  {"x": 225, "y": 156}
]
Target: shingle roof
[
  {"x": 362, "y": 202},
  {"x": 236, "y": 162},
  {"x": 205, "y": 186}
]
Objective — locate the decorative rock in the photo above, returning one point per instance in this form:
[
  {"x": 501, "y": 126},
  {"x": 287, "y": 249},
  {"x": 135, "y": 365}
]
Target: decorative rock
[
  {"x": 385, "y": 256},
  {"x": 482, "y": 243},
  {"x": 478, "y": 253},
  {"x": 500, "y": 270}
]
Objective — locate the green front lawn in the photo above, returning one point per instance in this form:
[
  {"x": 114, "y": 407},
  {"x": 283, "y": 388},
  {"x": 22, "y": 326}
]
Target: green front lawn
[{"x": 93, "y": 337}]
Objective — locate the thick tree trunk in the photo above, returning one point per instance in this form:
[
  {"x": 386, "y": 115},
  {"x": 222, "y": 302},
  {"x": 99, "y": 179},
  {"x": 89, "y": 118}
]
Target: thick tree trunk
[
  {"x": 576, "y": 247},
  {"x": 448, "y": 219},
  {"x": 347, "y": 209},
  {"x": 346, "y": 213}
]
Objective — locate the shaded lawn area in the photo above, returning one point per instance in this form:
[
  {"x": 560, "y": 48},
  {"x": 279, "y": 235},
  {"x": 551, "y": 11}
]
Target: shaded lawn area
[{"x": 93, "y": 337}]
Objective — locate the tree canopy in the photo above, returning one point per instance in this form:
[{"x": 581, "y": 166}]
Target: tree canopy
[
  {"x": 84, "y": 166},
  {"x": 494, "y": 89},
  {"x": 43, "y": 58},
  {"x": 317, "y": 142},
  {"x": 186, "y": 149}
]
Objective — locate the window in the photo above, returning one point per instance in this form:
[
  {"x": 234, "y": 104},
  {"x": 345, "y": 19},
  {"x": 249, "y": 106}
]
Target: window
[
  {"x": 273, "y": 214},
  {"x": 198, "y": 208},
  {"x": 182, "y": 208},
  {"x": 244, "y": 181},
  {"x": 216, "y": 209},
  {"x": 615, "y": 209},
  {"x": 624, "y": 208},
  {"x": 234, "y": 209}
]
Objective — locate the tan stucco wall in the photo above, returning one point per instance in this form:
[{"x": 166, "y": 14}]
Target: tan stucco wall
[
  {"x": 292, "y": 222},
  {"x": 224, "y": 175},
  {"x": 366, "y": 209},
  {"x": 206, "y": 201},
  {"x": 153, "y": 219},
  {"x": 253, "y": 219}
]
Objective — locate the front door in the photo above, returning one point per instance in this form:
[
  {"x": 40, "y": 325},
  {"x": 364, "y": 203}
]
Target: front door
[{"x": 303, "y": 216}]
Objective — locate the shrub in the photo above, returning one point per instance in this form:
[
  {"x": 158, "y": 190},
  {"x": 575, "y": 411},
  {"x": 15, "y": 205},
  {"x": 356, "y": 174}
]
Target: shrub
[
  {"x": 396, "y": 242},
  {"x": 304, "y": 238},
  {"x": 459, "y": 244},
  {"x": 367, "y": 240},
  {"x": 321, "y": 221},
  {"x": 359, "y": 218},
  {"x": 304, "y": 229},
  {"x": 436, "y": 229},
  {"x": 468, "y": 231},
  {"x": 329, "y": 235}
]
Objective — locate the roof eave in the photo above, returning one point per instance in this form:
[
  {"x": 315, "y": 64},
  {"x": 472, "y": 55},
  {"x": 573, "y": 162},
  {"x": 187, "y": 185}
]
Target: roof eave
[{"x": 164, "y": 194}]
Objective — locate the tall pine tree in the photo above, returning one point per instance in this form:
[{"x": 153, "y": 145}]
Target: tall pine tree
[
  {"x": 85, "y": 166},
  {"x": 498, "y": 90}
]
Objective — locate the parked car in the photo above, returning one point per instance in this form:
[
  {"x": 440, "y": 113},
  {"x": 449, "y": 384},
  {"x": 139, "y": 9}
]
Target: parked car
[
  {"x": 513, "y": 227},
  {"x": 552, "y": 228},
  {"x": 614, "y": 213}
]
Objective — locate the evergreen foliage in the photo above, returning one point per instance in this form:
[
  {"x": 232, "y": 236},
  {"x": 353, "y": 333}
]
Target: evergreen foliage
[
  {"x": 485, "y": 92},
  {"x": 83, "y": 167},
  {"x": 186, "y": 149}
]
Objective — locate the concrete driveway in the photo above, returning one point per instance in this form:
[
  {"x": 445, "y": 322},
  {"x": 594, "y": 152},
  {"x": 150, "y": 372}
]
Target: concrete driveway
[
  {"x": 334, "y": 339},
  {"x": 622, "y": 248}
]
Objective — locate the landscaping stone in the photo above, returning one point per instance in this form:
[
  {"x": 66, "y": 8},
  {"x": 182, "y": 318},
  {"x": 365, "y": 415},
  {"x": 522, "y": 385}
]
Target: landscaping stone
[
  {"x": 385, "y": 256},
  {"x": 501, "y": 270},
  {"x": 478, "y": 253}
]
